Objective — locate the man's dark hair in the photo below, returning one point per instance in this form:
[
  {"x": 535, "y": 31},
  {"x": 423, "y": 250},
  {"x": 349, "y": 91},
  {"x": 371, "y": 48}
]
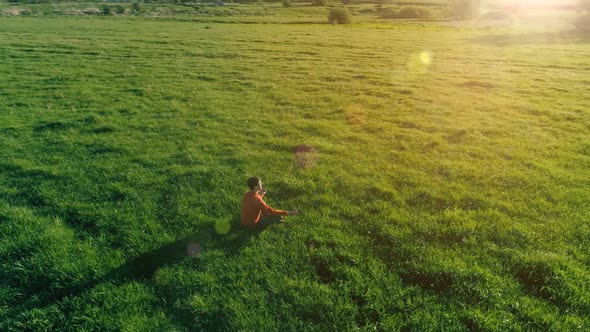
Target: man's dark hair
[{"x": 253, "y": 182}]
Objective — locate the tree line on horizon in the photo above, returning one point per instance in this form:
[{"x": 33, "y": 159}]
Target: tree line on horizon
[
  {"x": 414, "y": 9},
  {"x": 459, "y": 8},
  {"x": 402, "y": 2}
]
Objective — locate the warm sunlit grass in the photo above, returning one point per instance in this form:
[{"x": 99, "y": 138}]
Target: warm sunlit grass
[{"x": 441, "y": 173}]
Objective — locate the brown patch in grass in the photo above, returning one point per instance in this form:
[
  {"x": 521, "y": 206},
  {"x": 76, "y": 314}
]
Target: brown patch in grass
[{"x": 305, "y": 156}]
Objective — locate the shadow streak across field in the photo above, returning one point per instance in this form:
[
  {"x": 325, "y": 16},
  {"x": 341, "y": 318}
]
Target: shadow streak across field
[{"x": 567, "y": 37}]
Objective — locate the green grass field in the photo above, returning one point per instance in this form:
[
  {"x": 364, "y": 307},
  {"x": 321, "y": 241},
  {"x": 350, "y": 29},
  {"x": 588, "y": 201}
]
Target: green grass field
[{"x": 448, "y": 187}]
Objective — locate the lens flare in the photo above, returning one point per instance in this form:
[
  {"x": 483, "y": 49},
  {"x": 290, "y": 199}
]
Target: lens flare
[
  {"x": 419, "y": 63},
  {"x": 222, "y": 227},
  {"x": 425, "y": 58}
]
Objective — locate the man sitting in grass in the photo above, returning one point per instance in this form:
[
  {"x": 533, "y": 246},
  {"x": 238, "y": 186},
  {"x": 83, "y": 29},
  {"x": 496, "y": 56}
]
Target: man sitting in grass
[{"x": 255, "y": 213}]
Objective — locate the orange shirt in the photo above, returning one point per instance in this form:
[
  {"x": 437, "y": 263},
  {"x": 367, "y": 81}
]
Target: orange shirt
[{"x": 253, "y": 206}]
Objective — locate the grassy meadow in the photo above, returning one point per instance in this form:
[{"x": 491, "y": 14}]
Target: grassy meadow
[{"x": 442, "y": 172}]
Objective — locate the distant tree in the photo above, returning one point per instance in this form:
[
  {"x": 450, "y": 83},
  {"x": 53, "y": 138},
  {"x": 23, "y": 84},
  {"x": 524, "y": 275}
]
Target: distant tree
[
  {"x": 319, "y": 2},
  {"x": 464, "y": 9},
  {"x": 388, "y": 13},
  {"x": 106, "y": 10},
  {"x": 136, "y": 6},
  {"x": 287, "y": 3},
  {"x": 340, "y": 16},
  {"x": 582, "y": 22},
  {"x": 414, "y": 12}
]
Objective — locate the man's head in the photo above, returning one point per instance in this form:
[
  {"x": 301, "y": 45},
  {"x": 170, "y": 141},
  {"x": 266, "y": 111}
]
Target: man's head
[{"x": 254, "y": 182}]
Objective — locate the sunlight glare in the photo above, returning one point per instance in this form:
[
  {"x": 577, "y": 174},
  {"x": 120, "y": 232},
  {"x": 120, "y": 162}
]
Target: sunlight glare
[
  {"x": 425, "y": 58},
  {"x": 420, "y": 62},
  {"x": 523, "y": 4}
]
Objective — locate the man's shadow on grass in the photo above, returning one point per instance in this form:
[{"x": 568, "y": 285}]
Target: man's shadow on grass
[{"x": 145, "y": 265}]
